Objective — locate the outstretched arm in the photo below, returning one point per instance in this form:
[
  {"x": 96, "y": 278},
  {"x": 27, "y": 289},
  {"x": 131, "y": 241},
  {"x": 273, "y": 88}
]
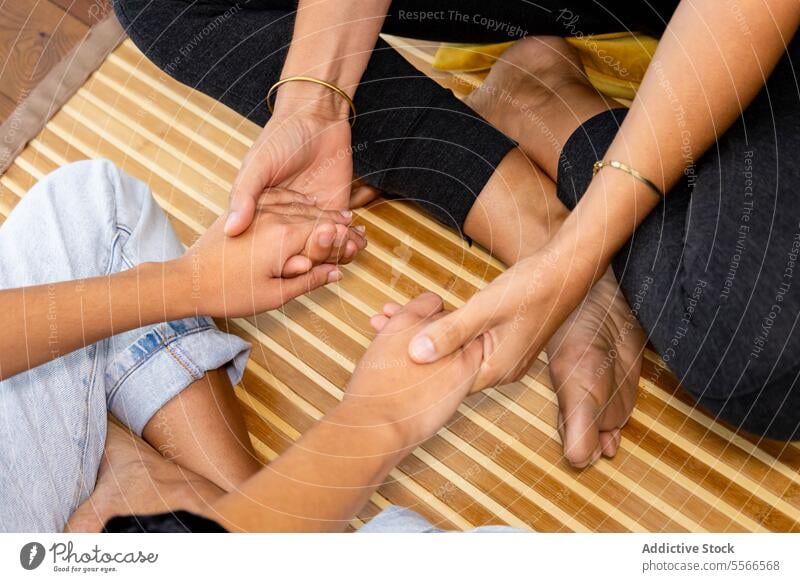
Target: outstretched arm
[
  {"x": 390, "y": 406},
  {"x": 218, "y": 277}
]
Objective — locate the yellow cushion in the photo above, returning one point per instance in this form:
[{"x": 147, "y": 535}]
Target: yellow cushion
[{"x": 615, "y": 63}]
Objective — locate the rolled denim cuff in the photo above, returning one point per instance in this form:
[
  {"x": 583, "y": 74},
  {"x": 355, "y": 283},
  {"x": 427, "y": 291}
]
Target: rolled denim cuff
[{"x": 164, "y": 360}]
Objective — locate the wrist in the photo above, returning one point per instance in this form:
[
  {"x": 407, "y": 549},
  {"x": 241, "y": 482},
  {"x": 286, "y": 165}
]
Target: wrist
[
  {"x": 169, "y": 287},
  {"x": 388, "y": 436},
  {"x": 612, "y": 207},
  {"x": 311, "y": 99}
]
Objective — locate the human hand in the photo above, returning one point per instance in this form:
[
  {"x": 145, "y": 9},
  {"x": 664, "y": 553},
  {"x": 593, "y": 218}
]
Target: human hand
[
  {"x": 594, "y": 350},
  {"x": 289, "y": 249},
  {"x": 389, "y": 388},
  {"x": 514, "y": 316},
  {"x": 303, "y": 147}
]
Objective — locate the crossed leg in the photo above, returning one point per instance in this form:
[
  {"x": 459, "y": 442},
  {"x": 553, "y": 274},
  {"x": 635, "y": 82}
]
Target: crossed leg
[
  {"x": 538, "y": 95},
  {"x": 83, "y": 220},
  {"x": 193, "y": 451}
]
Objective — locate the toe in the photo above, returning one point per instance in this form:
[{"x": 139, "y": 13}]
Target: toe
[
  {"x": 609, "y": 442},
  {"x": 581, "y": 438}
]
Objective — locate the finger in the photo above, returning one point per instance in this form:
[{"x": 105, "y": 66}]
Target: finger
[
  {"x": 351, "y": 248},
  {"x": 424, "y": 307},
  {"x": 345, "y": 245},
  {"x": 362, "y": 194},
  {"x": 319, "y": 246},
  {"x": 358, "y": 234},
  {"x": 339, "y": 245},
  {"x": 280, "y": 196},
  {"x": 240, "y": 215},
  {"x": 446, "y": 335},
  {"x": 316, "y": 277},
  {"x": 307, "y": 211},
  {"x": 296, "y": 265},
  {"x": 579, "y": 412},
  {"x": 391, "y": 309},
  {"x": 487, "y": 376},
  {"x": 246, "y": 191},
  {"x": 378, "y": 322},
  {"x": 473, "y": 355}
]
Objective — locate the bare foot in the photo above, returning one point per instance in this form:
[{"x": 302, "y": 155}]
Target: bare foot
[
  {"x": 135, "y": 479},
  {"x": 595, "y": 361},
  {"x": 538, "y": 94}
]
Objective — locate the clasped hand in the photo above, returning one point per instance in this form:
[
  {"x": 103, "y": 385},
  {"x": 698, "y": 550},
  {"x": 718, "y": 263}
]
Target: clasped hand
[{"x": 291, "y": 247}]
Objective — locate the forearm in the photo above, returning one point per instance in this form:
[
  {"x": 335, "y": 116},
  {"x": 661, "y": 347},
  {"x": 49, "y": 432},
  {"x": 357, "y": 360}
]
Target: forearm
[
  {"x": 321, "y": 482},
  {"x": 710, "y": 64},
  {"x": 332, "y": 41},
  {"x": 45, "y": 322}
]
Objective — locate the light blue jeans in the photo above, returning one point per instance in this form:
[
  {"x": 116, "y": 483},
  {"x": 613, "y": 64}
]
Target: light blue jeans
[
  {"x": 396, "y": 519},
  {"x": 83, "y": 220}
]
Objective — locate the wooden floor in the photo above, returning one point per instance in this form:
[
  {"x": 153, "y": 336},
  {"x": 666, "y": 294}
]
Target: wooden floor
[
  {"x": 34, "y": 36},
  {"x": 499, "y": 460}
]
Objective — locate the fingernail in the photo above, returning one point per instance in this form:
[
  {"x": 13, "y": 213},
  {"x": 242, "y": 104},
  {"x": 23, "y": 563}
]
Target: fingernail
[
  {"x": 422, "y": 349},
  {"x": 230, "y": 220},
  {"x": 326, "y": 238},
  {"x": 334, "y": 276},
  {"x": 346, "y": 213},
  {"x": 361, "y": 228}
]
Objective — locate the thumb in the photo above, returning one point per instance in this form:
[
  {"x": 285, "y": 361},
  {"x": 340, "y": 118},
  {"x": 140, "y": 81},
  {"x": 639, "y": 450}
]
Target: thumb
[
  {"x": 473, "y": 357},
  {"x": 444, "y": 336},
  {"x": 320, "y": 275},
  {"x": 264, "y": 166},
  {"x": 242, "y": 210}
]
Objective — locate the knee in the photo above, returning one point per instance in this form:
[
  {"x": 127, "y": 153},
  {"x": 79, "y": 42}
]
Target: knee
[
  {"x": 84, "y": 196},
  {"x": 82, "y": 204}
]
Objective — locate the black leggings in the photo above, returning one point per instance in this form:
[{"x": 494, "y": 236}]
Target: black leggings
[{"x": 709, "y": 274}]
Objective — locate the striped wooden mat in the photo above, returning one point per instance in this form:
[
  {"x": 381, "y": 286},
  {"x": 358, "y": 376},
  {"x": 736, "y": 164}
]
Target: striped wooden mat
[{"x": 499, "y": 460}]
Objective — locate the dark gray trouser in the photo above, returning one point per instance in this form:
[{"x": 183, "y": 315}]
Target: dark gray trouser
[{"x": 709, "y": 274}]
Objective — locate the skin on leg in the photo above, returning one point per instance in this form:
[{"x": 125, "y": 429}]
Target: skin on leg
[
  {"x": 517, "y": 211},
  {"x": 202, "y": 430},
  {"x": 538, "y": 95}
]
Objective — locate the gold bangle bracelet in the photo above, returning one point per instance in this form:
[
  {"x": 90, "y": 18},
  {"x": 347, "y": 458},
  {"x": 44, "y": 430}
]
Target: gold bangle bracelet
[
  {"x": 330, "y": 86},
  {"x": 600, "y": 164}
]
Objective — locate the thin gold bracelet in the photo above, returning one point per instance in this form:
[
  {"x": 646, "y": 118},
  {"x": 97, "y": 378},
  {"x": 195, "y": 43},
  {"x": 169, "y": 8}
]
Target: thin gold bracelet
[
  {"x": 600, "y": 164},
  {"x": 330, "y": 86}
]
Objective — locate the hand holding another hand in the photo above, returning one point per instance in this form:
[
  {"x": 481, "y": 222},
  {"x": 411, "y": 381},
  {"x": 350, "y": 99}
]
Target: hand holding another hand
[
  {"x": 413, "y": 400},
  {"x": 594, "y": 343},
  {"x": 306, "y": 147},
  {"x": 290, "y": 248}
]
